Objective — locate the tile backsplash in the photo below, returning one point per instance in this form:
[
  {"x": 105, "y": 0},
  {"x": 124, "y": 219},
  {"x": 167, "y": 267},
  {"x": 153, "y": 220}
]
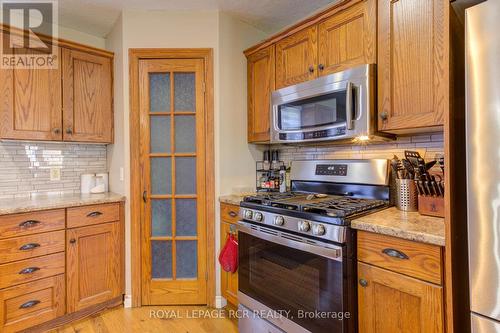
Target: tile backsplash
[
  {"x": 428, "y": 145},
  {"x": 25, "y": 167}
]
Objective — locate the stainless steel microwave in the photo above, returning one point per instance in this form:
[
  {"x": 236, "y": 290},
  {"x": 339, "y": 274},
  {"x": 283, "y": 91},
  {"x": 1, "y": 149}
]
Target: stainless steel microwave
[{"x": 338, "y": 106}]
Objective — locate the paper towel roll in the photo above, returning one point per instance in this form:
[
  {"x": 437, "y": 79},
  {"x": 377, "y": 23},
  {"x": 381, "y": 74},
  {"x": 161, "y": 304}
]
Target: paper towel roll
[{"x": 87, "y": 182}]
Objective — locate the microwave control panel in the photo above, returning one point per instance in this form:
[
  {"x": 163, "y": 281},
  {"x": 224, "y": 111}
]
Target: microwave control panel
[
  {"x": 339, "y": 131},
  {"x": 331, "y": 170}
]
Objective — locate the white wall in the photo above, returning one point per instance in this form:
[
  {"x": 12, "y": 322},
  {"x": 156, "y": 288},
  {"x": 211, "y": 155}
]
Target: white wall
[{"x": 181, "y": 29}]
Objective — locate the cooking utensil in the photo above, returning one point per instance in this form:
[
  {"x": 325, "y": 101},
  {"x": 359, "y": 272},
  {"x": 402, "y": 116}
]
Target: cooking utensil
[
  {"x": 395, "y": 165},
  {"x": 409, "y": 168},
  {"x": 430, "y": 164}
]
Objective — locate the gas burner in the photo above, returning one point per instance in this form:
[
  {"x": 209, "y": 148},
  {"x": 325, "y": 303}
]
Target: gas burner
[{"x": 343, "y": 206}]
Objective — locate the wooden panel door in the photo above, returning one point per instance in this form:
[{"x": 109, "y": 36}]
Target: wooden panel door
[
  {"x": 30, "y": 103},
  {"x": 87, "y": 97},
  {"x": 412, "y": 65},
  {"x": 392, "y": 302},
  {"x": 348, "y": 38},
  {"x": 93, "y": 265},
  {"x": 174, "y": 237},
  {"x": 296, "y": 58},
  {"x": 260, "y": 66},
  {"x": 229, "y": 281}
]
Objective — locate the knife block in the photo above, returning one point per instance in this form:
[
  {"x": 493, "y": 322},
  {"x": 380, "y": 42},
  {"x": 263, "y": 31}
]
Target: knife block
[{"x": 431, "y": 205}]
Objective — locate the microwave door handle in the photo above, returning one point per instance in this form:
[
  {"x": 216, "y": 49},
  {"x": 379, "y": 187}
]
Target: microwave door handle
[{"x": 348, "y": 105}]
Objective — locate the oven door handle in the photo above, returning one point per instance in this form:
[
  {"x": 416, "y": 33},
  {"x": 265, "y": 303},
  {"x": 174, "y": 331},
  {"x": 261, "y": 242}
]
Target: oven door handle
[{"x": 327, "y": 250}]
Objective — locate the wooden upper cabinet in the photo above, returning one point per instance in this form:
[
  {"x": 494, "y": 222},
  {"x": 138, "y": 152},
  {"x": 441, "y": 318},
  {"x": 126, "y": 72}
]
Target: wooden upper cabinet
[
  {"x": 392, "y": 302},
  {"x": 93, "y": 265},
  {"x": 30, "y": 103},
  {"x": 297, "y": 58},
  {"x": 412, "y": 65},
  {"x": 260, "y": 66},
  {"x": 348, "y": 38},
  {"x": 87, "y": 97}
]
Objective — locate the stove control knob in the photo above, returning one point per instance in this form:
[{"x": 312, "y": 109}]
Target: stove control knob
[
  {"x": 304, "y": 226},
  {"x": 319, "y": 230},
  {"x": 258, "y": 217},
  {"x": 248, "y": 214},
  {"x": 279, "y": 220}
]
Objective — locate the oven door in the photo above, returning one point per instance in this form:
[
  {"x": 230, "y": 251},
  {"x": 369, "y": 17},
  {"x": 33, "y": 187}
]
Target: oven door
[{"x": 303, "y": 282}]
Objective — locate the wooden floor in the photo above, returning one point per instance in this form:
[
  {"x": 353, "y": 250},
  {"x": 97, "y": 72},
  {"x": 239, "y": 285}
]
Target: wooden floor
[{"x": 155, "y": 319}]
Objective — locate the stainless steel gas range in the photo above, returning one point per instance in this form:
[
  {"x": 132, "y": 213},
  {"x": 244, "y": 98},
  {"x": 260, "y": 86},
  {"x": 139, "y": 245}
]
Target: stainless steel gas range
[{"x": 297, "y": 258}]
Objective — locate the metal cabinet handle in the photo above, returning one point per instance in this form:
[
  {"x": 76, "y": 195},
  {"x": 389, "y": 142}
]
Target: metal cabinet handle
[
  {"x": 232, "y": 214},
  {"x": 311, "y": 69},
  {"x": 94, "y": 214},
  {"x": 72, "y": 241},
  {"x": 363, "y": 282},
  {"x": 145, "y": 196},
  {"x": 69, "y": 130},
  {"x": 57, "y": 131},
  {"x": 29, "y": 270},
  {"x": 321, "y": 67},
  {"x": 384, "y": 115},
  {"x": 395, "y": 253},
  {"x": 28, "y": 223},
  {"x": 29, "y": 304},
  {"x": 29, "y": 246}
]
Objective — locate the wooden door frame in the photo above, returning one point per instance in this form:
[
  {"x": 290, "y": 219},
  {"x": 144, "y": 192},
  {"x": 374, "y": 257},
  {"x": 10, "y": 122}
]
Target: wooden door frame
[{"x": 135, "y": 55}]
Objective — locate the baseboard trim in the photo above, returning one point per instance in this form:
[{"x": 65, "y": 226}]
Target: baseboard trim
[
  {"x": 220, "y": 302},
  {"x": 71, "y": 317}
]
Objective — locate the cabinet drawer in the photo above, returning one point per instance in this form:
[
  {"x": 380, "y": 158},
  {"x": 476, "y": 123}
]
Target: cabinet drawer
[
  {"x": 422, "y": 261},
  {"x": 30, "y": 246},
  {"x": 31, "y": 269},
  {"x": 95, "y": 214},
  {"x": 31, "y": 304},
  {"x": 31, "y": 223},
  {"x": 229, "y": 213}
]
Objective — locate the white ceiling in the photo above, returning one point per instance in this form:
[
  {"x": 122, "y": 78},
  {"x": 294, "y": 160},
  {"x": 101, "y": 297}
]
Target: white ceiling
[{"x": 97, "y": 17}]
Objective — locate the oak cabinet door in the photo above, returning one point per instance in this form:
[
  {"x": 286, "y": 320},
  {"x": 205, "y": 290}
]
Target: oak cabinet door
[
  {"x": 229, "y": 281},
  {"x": 93, "y": 265},
  {"x": 296, "y": 58},
  {"x": 412, "y": 65},
  {"x": 392, "y": 302},
  {"x": 87, "y": 97},
  {"x": 348, "y": 38},
  {"x": 30, "y": 103},
  {"x": 260, "y": 66}
]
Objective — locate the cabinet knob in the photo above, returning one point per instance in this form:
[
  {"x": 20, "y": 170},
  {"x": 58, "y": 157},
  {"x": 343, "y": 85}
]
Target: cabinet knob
[
  {"x": 311, "y": 69},
  {"x": 384, "y": 115},
  {"x": 69, "y": 130},
  {"x": 72, "y": 241},
  {"x": 363, "y": 282},
  {"x": 321, "y": 67},
  {"x": 57, "y": 131}
]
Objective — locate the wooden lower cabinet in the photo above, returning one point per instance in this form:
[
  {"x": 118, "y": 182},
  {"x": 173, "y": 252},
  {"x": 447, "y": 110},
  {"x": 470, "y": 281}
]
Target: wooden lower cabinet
[
  {"x": 33, "y": 303},
  {"x": 393, "y": 302},
  {"x": 229, "y": 281},
  {"x": 93, "y": 265}
]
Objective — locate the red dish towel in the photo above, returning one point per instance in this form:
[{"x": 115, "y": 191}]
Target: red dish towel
[{"x": 228, "y": 257}]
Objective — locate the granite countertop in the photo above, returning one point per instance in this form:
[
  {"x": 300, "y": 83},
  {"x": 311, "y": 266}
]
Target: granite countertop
[
  {"x": 54, "y": 201},
  {"x": 233, "y": 199},
  {"x": 406, "y": 225}
]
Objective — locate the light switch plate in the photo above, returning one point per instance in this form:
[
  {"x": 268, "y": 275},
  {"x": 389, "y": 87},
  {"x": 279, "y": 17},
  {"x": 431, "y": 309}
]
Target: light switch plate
[{"x": 55, "y": 174}]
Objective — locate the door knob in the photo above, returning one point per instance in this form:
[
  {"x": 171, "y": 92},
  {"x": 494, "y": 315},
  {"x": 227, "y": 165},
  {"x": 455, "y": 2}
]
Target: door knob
[{"x": 363, "y": 282}]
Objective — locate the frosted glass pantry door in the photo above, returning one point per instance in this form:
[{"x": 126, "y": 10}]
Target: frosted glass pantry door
[{"x": 172, "y": 141}]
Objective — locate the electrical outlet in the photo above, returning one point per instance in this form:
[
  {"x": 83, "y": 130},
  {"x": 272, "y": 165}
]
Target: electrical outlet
[{"x": 55, "y": 174}]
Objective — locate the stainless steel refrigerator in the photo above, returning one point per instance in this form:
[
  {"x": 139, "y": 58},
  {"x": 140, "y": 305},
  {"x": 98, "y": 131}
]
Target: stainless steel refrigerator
[{"x": 482, "y": 24}]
